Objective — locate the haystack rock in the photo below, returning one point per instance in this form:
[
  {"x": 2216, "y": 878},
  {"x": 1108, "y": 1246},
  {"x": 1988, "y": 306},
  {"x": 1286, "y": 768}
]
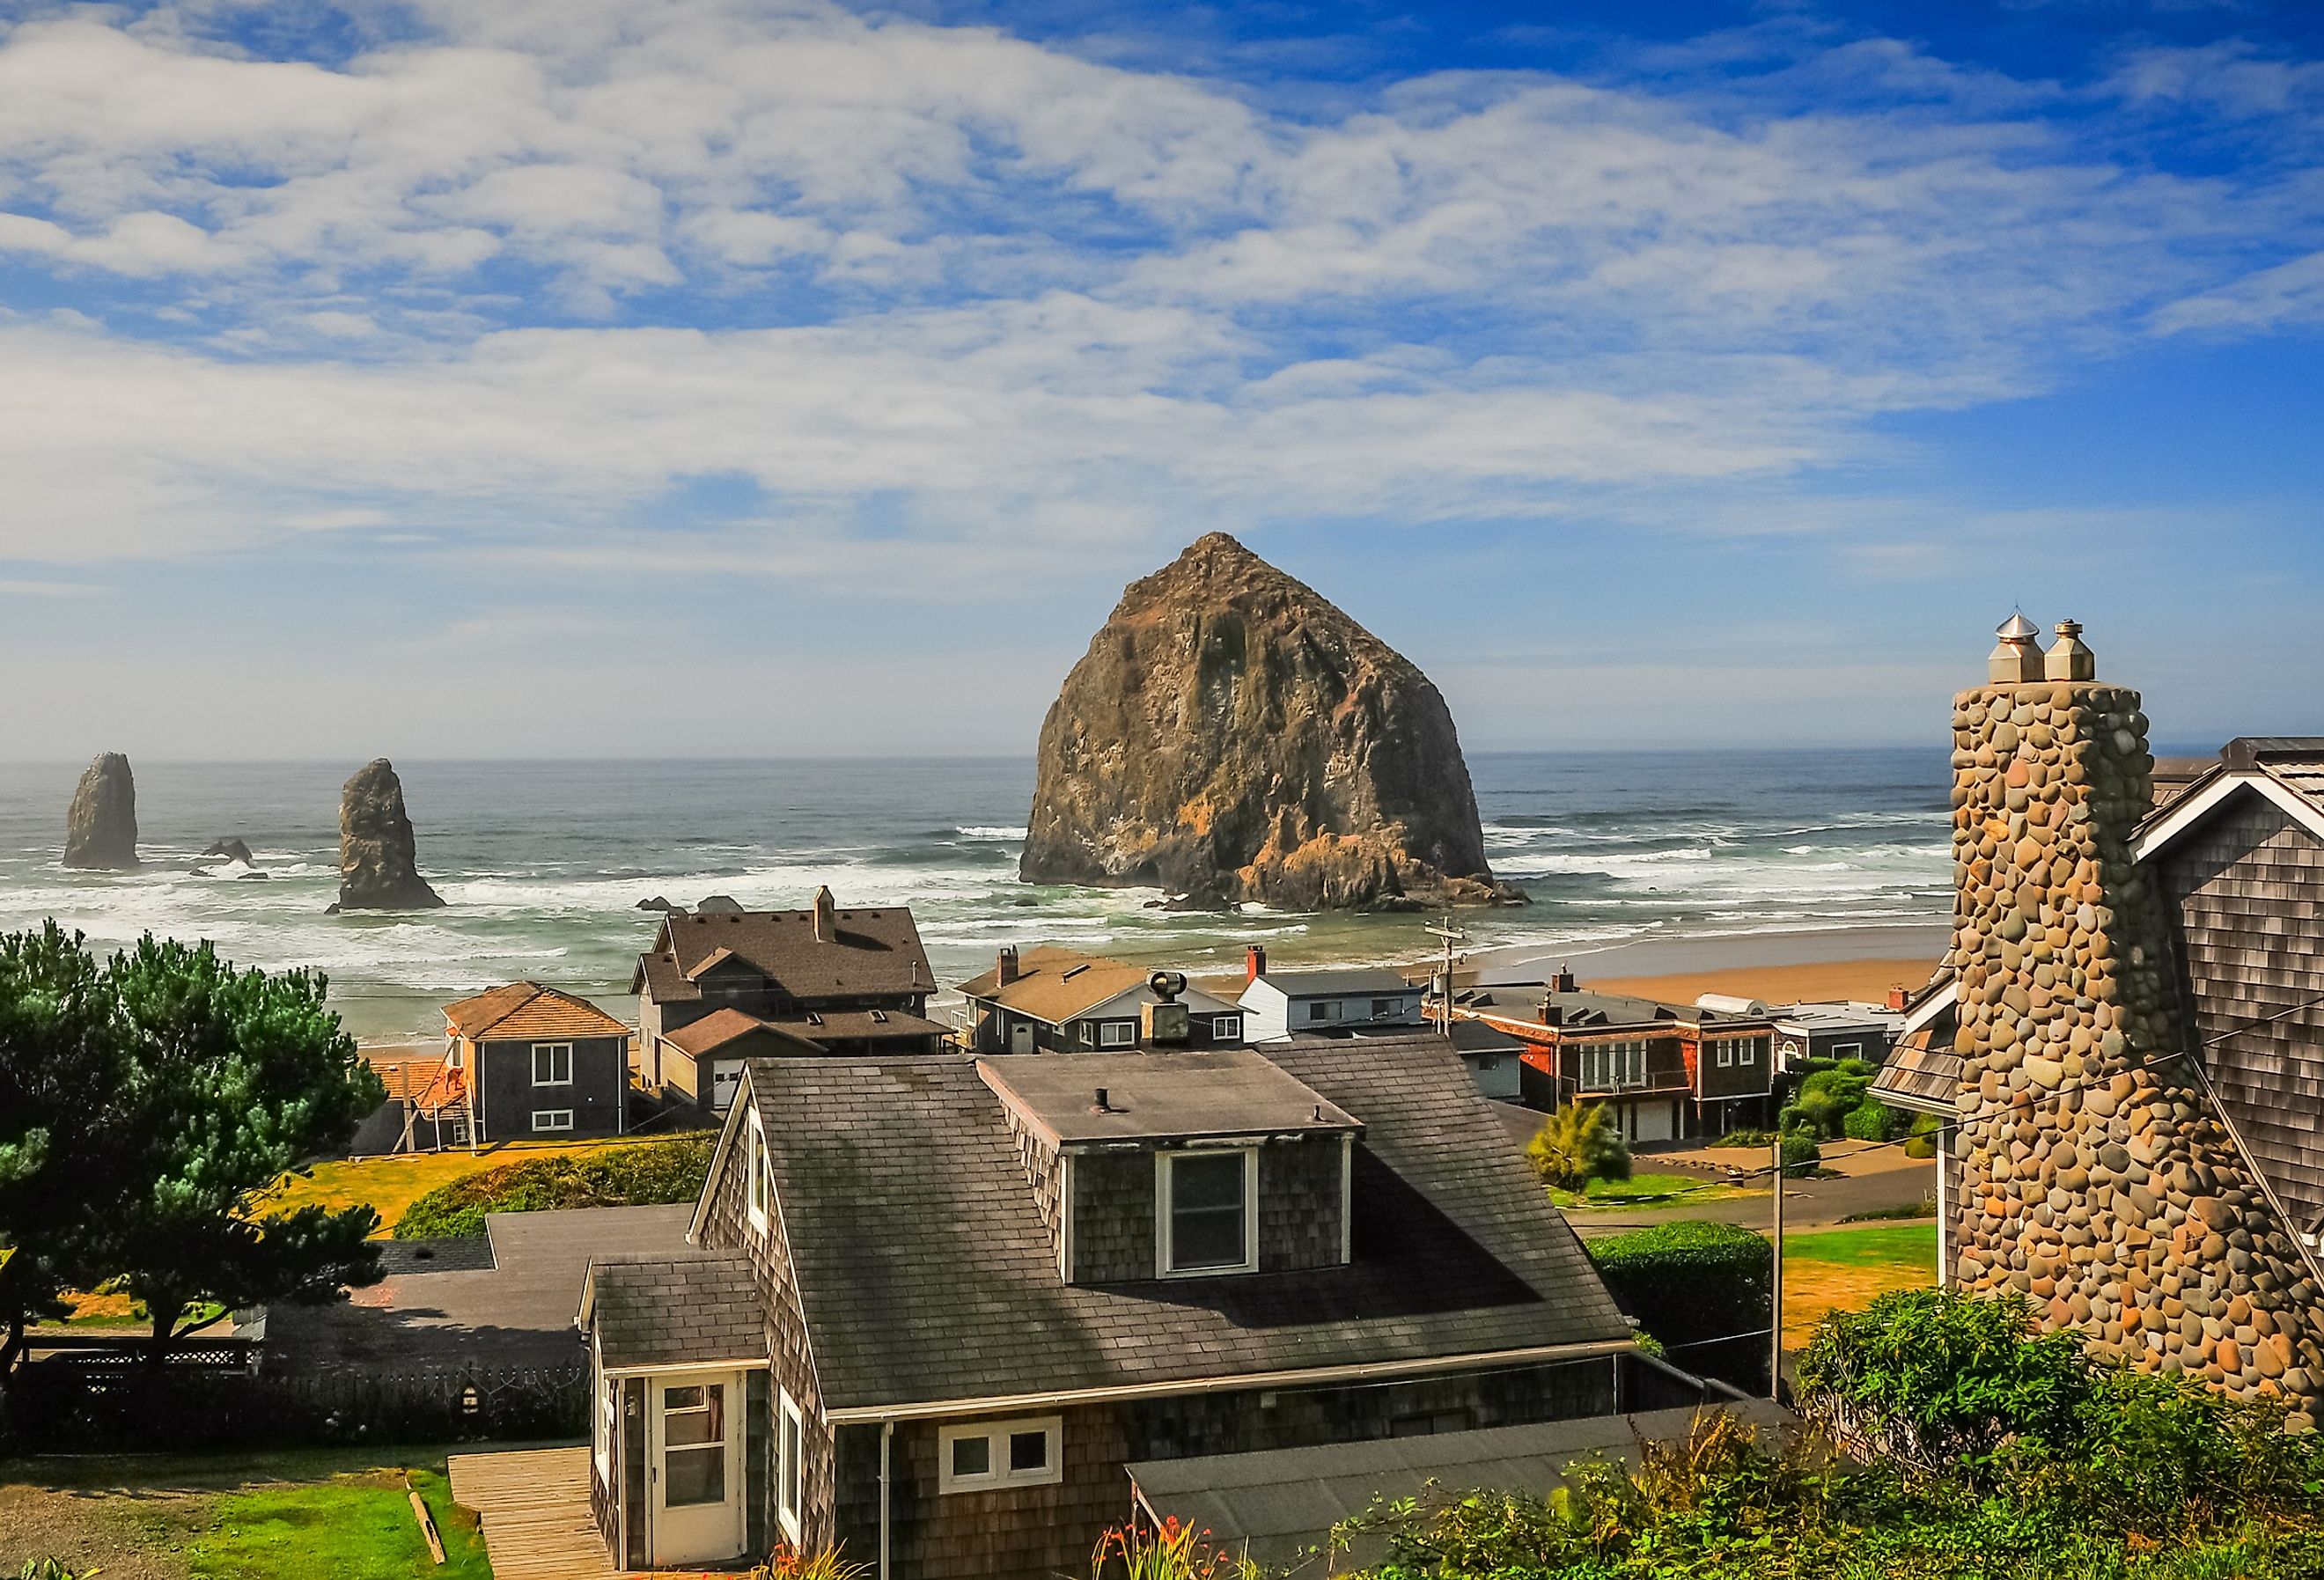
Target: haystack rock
[
  {"x": 1233, "y": 735},
  {"x": 101, "y": 828},
  {"x": 379, "y": 867}
]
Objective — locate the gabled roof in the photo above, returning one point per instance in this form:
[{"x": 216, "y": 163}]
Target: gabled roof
[
  {"x": 927, "y": 1274},
  {"x": 715, "y": 1030},
  {"x": 1055, "y": 985},
  {"x": 527, "y": 1009},
  {"x": 807, "y": 1033},
  {"x": 2288, "y": 770},
  {"x": 873, "y": 952},
  {"x": 674, "y": 1309}
]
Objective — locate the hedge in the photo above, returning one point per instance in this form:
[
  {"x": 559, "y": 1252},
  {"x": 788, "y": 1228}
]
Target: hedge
[
  {"x": 1874, "y": 1121},
  {"x": 1696, "y": 1280},
  {"x": 640, "y": 1174}
]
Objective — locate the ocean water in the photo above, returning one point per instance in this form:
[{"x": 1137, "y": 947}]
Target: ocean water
[{"x": 543, "y": 864}]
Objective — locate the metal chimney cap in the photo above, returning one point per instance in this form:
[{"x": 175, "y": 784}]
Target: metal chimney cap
[{"x": 2016, "y": 628}]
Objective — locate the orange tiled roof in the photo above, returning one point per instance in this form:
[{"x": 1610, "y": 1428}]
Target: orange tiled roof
[{"x": 527, "y": 1009}]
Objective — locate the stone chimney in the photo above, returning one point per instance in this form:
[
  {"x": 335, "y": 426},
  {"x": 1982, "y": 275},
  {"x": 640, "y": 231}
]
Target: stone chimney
[
  {"x": 2098, "y": 1179},
  {"x": 827, "y": 915},
  {"x": 1004, "y": 965},
  {"x": 1254, "y": 962}
]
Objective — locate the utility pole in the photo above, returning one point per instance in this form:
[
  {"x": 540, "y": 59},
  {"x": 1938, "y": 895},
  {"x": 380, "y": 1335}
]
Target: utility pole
[
  {"x": 1451, "y": 935},
  {"x": 1776, "y": 1306}
]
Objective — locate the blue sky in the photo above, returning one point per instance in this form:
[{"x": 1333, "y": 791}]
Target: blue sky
[{"x": 575, "y": 377}]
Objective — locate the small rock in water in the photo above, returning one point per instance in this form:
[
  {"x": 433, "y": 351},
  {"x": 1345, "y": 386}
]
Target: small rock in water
[
  {"x": 718, "y": 905},
  {"x": 658, "y": 904},
  {"x": 1025, "y": 901}
]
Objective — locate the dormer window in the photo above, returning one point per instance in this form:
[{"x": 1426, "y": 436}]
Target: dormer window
[{"x": 1206, "y": 1218}]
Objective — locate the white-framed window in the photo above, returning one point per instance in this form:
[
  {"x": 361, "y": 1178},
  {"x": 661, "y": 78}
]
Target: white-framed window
[
  {"x": 1321, "y": 1010},
  {"x": 1847, "y": 1051},
  {"x": 1206, "y": 1211},
  {"x": 1116, "y": 1034},
  {"x": 1383, "y": 1008},
  {"x": 1726, "y": 1052},
  {"x": 1746, "y": 1051},
  {"x": 552, "y": 1064},
  {"x": 546, "y": 1121},
  {"x": 694, "y": 1444},
  {"x": 1226, "y": 1027},
  {"x": 1610, "y": 1066},
  {"x": 790, "y": 1465},
  {"x": 1086, "y": 1034},
  {"x": 760, "y": 1184},
  {"x": 984, "y": 1454}
]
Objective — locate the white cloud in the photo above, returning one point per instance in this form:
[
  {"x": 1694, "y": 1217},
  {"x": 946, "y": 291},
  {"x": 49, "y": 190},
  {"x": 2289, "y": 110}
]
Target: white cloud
[{"x": 2290, "y": 293}]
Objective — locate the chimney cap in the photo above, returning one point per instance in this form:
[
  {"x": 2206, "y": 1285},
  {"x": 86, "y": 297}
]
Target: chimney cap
[{"x": 2016, "y": 628}]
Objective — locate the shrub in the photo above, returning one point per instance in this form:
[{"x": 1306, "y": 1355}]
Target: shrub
[
  {"x": 1696, "y": 1280},
  {"x": 1827, "y": 1097},
  {"x": 640, "y": 1174},
  {"x": 1873, "y": 1121},
  {"x": 1921, "y": 1140},
  {"x": 1802, "y": 1154},
  {"x": 1938, "y": 1380},
  {"x": 1858, "y": 1066},
  {"x": 1576, "y": 1145},
  {"x": 1791, "y": 1118},
  {"x": 1760, "y": 1138}
]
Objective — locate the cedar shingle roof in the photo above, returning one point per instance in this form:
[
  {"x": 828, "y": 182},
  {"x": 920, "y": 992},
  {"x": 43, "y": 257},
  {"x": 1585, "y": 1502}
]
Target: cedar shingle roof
[
  {"x": 1056, "y": 984},
  {"x": 527, "y": 1009},
  {"x": 720, "y": 1027},
  {"x": 875, "y": 952},
  {"x": 678, "y": 1309},
  {"x": 810, "y": 1032},
  {"x": 927, "y": 1272}
]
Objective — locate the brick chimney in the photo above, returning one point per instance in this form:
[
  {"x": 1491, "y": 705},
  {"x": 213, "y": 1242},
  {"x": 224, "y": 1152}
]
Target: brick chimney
[
  {"x": 1254, "y": 962},
  {"x": 827, "y": 915},
  {"x": 2098, "y": 1179},
  {"x": 1004, "y": 966},
  {"x": 1898, "y": 998}
]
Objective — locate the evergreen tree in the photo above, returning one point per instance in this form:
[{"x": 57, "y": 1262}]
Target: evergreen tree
[
  {"x": 234, "y": 1079},
  {"x": 62, "y": 1075}
]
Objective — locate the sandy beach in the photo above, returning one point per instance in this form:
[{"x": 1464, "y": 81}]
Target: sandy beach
[{"x": 1840, "y": 962}]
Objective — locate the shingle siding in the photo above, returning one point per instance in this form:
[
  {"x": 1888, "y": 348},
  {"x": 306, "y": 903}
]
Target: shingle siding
[
  {"x": 726, "y": 1226},
  {"x": 2247, "y": 888}
]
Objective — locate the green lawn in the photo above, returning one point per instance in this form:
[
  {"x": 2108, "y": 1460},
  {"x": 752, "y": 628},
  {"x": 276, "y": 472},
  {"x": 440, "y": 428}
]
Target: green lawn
[
  {"x": 349, "y": 1528},
  {"x": 1912, "y": 1245},
  {"x": 1646, "y": 1190}
]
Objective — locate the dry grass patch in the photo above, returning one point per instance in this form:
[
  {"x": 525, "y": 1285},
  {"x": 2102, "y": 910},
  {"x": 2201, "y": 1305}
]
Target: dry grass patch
[
  {"x": 389, "y": 1185},
  {"x": 1845, "y": 1269}
]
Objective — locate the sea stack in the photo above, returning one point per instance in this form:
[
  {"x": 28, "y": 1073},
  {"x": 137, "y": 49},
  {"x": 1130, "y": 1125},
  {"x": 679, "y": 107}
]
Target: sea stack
[
  {"x": 379, "y": 864},
  {"x": 2099, "y": 1180},
  {"x": 101, "y": 827},
  {"x": 1231, "y": 735}
]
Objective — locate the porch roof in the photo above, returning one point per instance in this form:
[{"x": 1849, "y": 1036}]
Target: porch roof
[{"x": 663, "y": 1312}]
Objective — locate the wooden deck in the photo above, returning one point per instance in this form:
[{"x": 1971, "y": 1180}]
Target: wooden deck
[{"x": 534, "y": 1504}]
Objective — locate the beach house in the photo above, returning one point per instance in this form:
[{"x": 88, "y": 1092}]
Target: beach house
[
  {"x": 947, "y": 1324},
  {"x": 1665, "y": 1072},
  {"x": 722, "y": 985},
  {"x": 1051, "y": 1000},
  {"x": 1278, "y": 1003},
  {"x": 526, "y": 1062}
]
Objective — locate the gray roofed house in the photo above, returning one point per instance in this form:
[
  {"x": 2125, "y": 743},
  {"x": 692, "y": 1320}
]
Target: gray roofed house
[
  {"x": 1325, "y": 1003},
  {"x": 983, "y": 1297}
]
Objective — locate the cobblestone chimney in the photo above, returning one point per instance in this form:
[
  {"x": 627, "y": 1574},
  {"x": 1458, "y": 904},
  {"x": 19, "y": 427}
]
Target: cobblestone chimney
[{"x": 2098, "y": 1179}]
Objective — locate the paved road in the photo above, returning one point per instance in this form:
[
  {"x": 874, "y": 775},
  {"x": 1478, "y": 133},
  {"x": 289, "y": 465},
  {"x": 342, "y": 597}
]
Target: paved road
[{"x": 1807, "y": 1202}]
